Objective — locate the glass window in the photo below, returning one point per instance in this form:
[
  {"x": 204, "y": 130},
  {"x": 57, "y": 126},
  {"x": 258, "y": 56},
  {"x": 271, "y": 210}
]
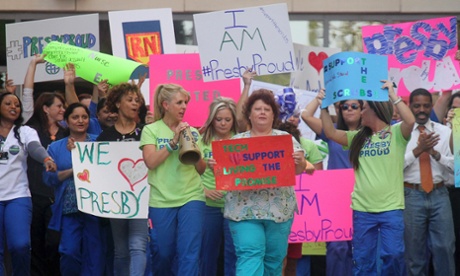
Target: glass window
[
  {"x": 307, "y": 32},
  {"x": 346, "y": 35}
]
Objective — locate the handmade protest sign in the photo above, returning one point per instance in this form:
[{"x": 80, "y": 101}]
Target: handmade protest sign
[
  {"x": 26, "y": 39},
  {"x": 230, "y": 41},
  {"x": 302, "y": 98},
  {"x": 324, "y": 201},
  {"x": 111, "y": 179},
  {"x": 309, "y": 74},
  {"x": 254, "y": 163},
  {"x": 421, "y": 54},
  {"x": 456, "y": 140},
  {"x": 138, "y": 34},
  {"x": 90, "y": 65},
  {"x": 354, "y": 76},
  {"x": 185, "y": 70}
]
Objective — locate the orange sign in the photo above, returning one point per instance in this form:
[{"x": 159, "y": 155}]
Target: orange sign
[{"x": 141, "y": 45}]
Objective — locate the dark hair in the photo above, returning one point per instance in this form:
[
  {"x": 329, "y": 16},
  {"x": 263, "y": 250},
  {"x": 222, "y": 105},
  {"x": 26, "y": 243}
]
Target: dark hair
[
  {"x": 268, "y": 98},
  {"x": 420, "y": 92},
  {"x": 341, "y": 122},
  {"x": 18, "y": 122},
  {"x": 84, "y": 96},
  {"x": 384, "y": 111},
  {"x": 72, "y": 107},
  {"x": 451, "y": 100},
  {"x": 291, "y": 129},
  {"x": 39, "y": 118},
  {"x": 117, "y": 92},
  {"x": 101, "y": 104}
]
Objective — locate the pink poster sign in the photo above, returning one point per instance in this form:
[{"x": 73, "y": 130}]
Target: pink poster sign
[
  {"x": 324, "y": 201},
  {"x": 185, "y": 70},
  {"x": 420, "y": 54}
]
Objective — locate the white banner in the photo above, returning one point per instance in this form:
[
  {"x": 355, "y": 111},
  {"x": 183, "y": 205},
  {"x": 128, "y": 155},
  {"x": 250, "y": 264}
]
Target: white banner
[
  {"x": 111, "y": 179},
  {"x": 309, "y": 66},
  {"x": 231, "y": 40},
  {"x": 137, "y": 34},
  {"x": 25, "y": 39}
]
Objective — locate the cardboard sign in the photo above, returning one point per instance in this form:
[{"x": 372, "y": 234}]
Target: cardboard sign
[
  {"x": 254, "y": 163},
  {"x": 185, "y": 70},
  {"x": 26, "y": 39},
  {"x": 138, "y": 34},
  {"x": 230, "y": 41},
  {"x": 420, "y": 54},
  {"x": 111, "y": 179},
  {"x": 354, "y": 76},
  {"x": 314, "y": 248},
  {"x": 324, "y": 201},
  {"x": 90, "y": 65},
  {"x": 309, "y": 74},
  {"x": 456, "y": 140}
]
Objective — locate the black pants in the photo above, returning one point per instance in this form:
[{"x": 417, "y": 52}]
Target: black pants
[{"x": 45, "y": 242}]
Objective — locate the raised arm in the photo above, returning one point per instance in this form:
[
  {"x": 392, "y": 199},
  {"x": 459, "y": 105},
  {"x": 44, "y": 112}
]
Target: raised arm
[
  {"x": 440, "y": 106},
  {"x": 407, "y": 117},
  {"x": 336, "y": 135},
  {"x": 308, "y": 114},
  {"x": 69, "y": 80},
  {"x": 248, "y": 75}
]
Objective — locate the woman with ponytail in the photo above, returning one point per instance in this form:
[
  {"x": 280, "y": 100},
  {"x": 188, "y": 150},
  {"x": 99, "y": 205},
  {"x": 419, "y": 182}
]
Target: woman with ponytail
[
  {"x": 377, "y": 155},
  {"x": 177, "y": 199}
]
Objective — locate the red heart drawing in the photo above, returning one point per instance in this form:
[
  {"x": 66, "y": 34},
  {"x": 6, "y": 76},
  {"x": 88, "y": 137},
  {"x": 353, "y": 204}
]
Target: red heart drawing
[
  {"x": 317, "y": 60},
  {"x": 84, "y": 176},
  {"x": 133, "y": 172}
]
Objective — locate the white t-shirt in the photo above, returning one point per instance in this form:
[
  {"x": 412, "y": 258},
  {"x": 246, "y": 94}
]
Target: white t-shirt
[{"x": 13, "y": 172}]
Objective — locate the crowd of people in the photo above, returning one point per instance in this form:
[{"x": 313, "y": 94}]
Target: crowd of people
[{"x": 406, "y": 215}]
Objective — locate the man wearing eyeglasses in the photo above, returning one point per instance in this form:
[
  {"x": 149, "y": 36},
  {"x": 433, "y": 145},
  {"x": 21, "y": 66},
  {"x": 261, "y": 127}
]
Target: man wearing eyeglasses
[{"x": 428, "y": 216}]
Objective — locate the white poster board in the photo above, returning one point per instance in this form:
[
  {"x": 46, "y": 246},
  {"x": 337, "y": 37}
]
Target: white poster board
[
  {"x": 25, "y": 39},
  {"x": 111, "y": 179},
  {"x": 309, "y": 74},
  {"x": 137, "y": 34},
  {"x": 303, "y": 97},
  {"x": 231, "y": 40}
]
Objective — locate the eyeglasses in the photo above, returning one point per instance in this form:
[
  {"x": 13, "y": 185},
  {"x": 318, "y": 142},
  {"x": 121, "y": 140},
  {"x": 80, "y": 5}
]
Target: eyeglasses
[{"x": 353, "y": 106}]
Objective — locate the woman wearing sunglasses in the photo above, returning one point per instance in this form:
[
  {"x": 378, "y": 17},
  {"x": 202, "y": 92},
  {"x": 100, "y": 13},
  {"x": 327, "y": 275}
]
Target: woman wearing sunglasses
[{"x": 338, "y": 256}]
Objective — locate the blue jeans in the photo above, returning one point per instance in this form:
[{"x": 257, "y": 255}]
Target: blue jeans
[
  {"x": 216, "y": 227},
  {"x": 15, "y": 220},
  {"x": 178, "y": 234},
  {"x": 81, "y": 245},
  {"x": 130, "y": 241},
  {"x": 339, "y": 258},
  {"x": 428, "y": 221},
  {"x": 366, "y": 228},
  {"x": 260, "y": 246}
]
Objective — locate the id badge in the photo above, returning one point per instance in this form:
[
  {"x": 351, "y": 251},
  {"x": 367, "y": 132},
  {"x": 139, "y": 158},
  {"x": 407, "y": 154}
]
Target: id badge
[{"x": 3, "y": 154}]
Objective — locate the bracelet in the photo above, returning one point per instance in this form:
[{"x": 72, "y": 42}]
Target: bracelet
[
  {"x": 168, "y": 148},
  {"x": 397, "y": 101},
  {"x": 48, "y": 159}
]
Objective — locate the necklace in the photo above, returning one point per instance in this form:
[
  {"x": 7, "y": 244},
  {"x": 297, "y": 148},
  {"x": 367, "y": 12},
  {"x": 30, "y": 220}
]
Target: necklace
[{"x": 383, "y": 133}]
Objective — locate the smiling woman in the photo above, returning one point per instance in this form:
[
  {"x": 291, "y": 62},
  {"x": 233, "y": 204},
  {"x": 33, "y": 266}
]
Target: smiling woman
[{"x": 16, "y": 143}]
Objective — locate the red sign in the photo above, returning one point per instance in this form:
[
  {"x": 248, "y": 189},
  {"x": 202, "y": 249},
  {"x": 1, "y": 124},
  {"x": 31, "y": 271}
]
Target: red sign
[
  {"x": 141, "y": 45},
  {"x": 254, "y": 163}
]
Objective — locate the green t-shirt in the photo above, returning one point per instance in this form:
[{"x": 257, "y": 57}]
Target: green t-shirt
[
  {"x": 207, "y": 178},
  {"x": 172, "y": 183},
  {"x": 312, "y": 153},
  {"x": 379, "y": 179}
]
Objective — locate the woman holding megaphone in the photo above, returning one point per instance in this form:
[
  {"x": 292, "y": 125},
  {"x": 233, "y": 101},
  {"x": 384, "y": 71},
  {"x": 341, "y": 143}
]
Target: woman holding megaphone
[{"x": 177, "y": 199}]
